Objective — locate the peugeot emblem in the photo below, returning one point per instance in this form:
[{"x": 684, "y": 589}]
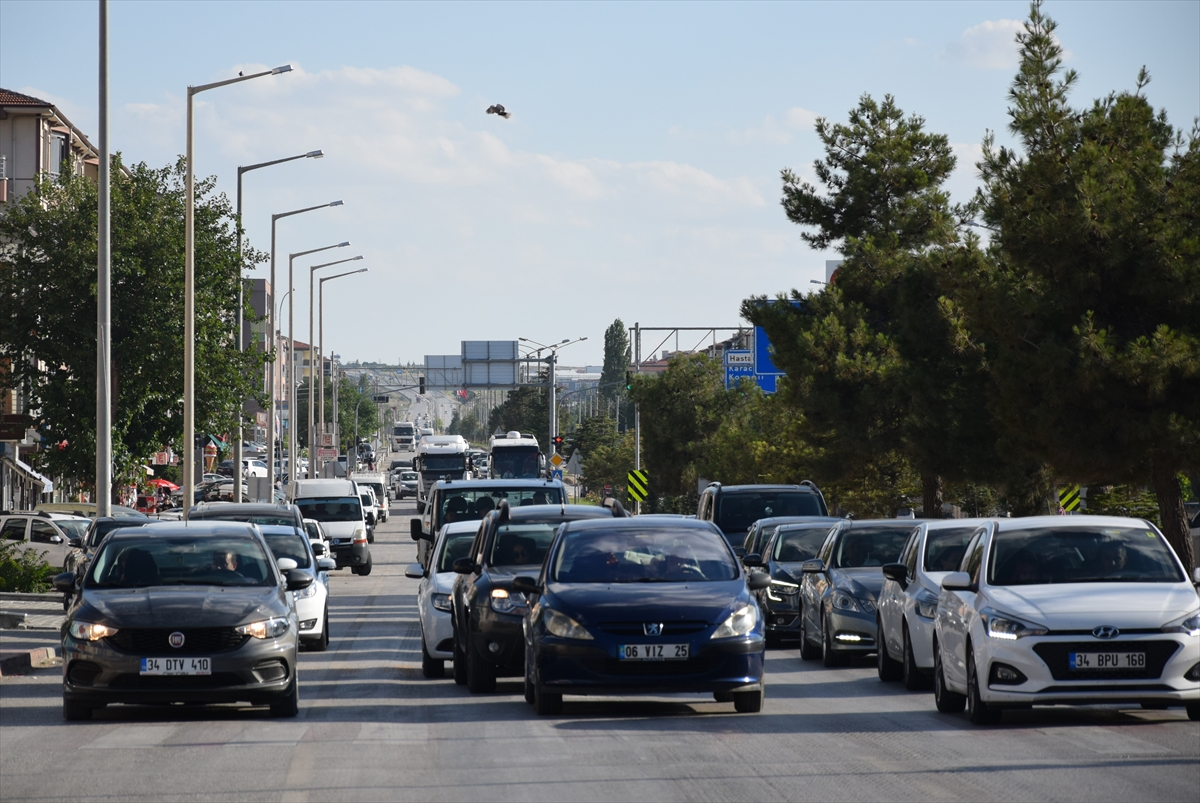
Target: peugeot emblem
[
  {"x": 1106, "y": 631},
  {"x": 176, "y": 639},
  {"x": 652, "y": 629}
]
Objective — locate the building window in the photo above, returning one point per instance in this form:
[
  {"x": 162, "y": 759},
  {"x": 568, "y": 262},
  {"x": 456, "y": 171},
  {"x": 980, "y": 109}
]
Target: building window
[{"x": 60, "y": 150}]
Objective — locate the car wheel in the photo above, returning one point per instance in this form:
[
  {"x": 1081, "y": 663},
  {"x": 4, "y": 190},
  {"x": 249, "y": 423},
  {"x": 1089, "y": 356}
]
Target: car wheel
[
  {"x": 748, "y": 702},
  {"x": 773, "y": 640},
  {"x": 66, "y": 602},
  {"x": 828, "y": 656},
  {"x": 321, "y": 644},
  {"x": 888, "y": 667},
  {"x": 460, "y": 663},
  {"x": 371, "y": 536},
  {"x": 289, "y": 704},
  {"x": 481, "y": 675},
  {"x": 980, "y": 713},
  {"x": 1193, "y": 710},
  {"x": 365, "y": 569},
  {"x": 75, "y": 711},
  {"x": 545, "y": 704},
  {"x": 948, "y": 702},
  {"x": 431, "y": 667},
  {"x": 530, "y": 697},
  {"x": 808, "y": 652},
  {"x": 914, "y": 678}
]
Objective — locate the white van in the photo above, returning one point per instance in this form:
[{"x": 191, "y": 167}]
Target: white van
[{"x": 336, "y": 504}]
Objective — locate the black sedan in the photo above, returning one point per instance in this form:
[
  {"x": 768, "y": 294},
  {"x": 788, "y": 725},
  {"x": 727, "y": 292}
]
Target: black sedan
[
  {"x": 629, "y": 606},
  {"x": 196, "y": 612},
  {"x": 783, "y": 554}
]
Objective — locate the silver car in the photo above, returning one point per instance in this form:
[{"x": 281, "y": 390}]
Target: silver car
[{"x": 433, "y": 595}]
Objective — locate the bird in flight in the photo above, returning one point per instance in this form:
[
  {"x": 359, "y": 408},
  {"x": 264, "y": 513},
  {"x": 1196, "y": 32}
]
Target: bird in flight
[{"x": 498, "y": 109}]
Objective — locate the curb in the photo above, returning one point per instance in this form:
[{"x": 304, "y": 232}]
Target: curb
[
  {"x": 18, "y": 663},
  {"x": 24, "y": 597}
]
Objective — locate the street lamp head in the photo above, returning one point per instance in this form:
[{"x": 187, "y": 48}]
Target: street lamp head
[
  {"x": 283, "y": 69},
  {"x": 354, "y": 259},
  {"x": 343, "y": 245},
  {"x": 317, "y": 154},
  {"x": 336, "y": 203}
]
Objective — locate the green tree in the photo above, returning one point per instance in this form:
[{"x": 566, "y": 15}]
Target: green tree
[
  {"x": 617, "y": 359},
  {"x": 526, "y": 409},
  {"x": 592, "y": 434},
  {"x": 48, "y": 305},
  {"x": 609, "y": 464},
  {"x": 1088, "y": 313}
]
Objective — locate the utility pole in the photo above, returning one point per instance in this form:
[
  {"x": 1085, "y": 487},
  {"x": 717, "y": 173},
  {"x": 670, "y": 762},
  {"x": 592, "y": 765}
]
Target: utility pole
[
  {"x": 553, "y": 405},
  {"x": 637, "y": 409},
  {"x": 104, "y": 466}
]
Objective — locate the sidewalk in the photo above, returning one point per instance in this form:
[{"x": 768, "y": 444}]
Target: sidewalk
[
  {"x": 31, "y": 611},
  {"x": 30, "y": 626}
]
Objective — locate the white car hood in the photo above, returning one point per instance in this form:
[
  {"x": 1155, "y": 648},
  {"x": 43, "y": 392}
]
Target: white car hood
[{"x": 1074, "y": 606}]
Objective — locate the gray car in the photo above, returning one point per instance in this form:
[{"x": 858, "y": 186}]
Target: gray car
[{"x": 194, "y": 612}]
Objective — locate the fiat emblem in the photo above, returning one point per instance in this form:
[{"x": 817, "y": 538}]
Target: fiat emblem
[
  {"x": 176, "y": 639},
  {"x": 1106, "y": 631},
  {"x": 652, "y": 629}
]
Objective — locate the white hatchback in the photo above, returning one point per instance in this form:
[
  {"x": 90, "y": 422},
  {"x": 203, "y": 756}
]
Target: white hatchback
[
  {"x": 1075, "y": 610},
  {"x": 433, "y": 594}
]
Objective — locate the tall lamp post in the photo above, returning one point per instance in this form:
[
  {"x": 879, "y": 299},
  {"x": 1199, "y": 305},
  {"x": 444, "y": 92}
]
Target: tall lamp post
[
  {"x": 189, "y": 292},
  {"x": 238, "y": 442},
  {"x": 550, "y": 384},
  {"x": 312, "y": 363},
  {"x": 272, "y": 327},
  {"x": 321, "y": 350},
  {"x": 104, "y": 467}
]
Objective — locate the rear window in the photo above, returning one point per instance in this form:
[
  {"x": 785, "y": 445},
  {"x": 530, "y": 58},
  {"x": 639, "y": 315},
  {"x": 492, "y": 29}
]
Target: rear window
[
  {"x": 801, "y": 544},
  {"x": 644, "y": 556},
  {"x": 522, "y": 544},
  {"x": 1048, "y": 555},
  {"x": 944, "y": 549},
  {"x": 464, "y": 504},
  {"x": 737, "y": 511},
  {"x": 454, "y": 547},
  {"x": 263, "y": 519},
  {"x": 289, "y": 546},
  {"x": 870, "y": 547}
]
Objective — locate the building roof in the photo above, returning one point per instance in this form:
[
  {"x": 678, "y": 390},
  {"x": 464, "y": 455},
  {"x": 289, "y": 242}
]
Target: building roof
[{"x": 10, "y": 98}]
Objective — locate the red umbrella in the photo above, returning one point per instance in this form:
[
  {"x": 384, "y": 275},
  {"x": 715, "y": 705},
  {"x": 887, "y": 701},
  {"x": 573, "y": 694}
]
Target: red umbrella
[{"x": 159, "y": 481}]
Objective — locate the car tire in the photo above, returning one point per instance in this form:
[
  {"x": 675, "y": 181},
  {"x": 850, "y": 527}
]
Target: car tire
[
  {"x": 75, "y": 711},
  {"x": 289, "y": 704},
  {"x": 748, "y": 702},
  {"x": 365, "y": 569},
  {"x": 1193, "y": 711},
  {"x": 545, "y": 704},
  {"x": 530, "y": 697},
  {"x": 371, "y": 536},
  {"x": 481, "y": 675},
  {"x": 431, "y": 667},
  {"x": 808, "y": 651},
  {"x": 773, "y": 640},
  {"x": 460, "y": 663},
  {"x": 979, "y": 712},
  {"x": 829, "y": 657},
  {"x": 889, "y": 668},
  {"x": 321, "y": 644},
  {"x": 914, "y": 678},
  {"x": 948, "y": 702}
]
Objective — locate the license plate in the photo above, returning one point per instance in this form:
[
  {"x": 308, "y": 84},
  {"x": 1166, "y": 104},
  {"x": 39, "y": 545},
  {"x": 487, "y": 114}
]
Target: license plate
[
  {"x": 652, "y": 652},
  {"x": 176, "y": 666},
  {"x": 1107, "y": 660}
]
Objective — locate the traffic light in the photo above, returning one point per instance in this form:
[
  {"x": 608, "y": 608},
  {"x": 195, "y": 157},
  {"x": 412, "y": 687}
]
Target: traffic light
[
  {"x": 628, "y": 380},
  {"x": 421, "y": 385},
  {"x": 558, "y": 441}
]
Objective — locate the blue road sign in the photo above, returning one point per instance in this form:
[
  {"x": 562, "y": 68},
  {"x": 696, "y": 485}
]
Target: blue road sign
[
  {"x": 556, "y": 474},
  {"x": 763, "y": 364},
  {"x": 739, "y": 365}
]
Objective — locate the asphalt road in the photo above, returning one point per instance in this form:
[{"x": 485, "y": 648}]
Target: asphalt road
[{"x": 370, "y": 727}]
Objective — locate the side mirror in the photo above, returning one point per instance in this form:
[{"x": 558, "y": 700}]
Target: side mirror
[
  {"x": 296, "y": 579},
  {"x": 740, "y": 551},
  {"x": 465, "y": 566},
  {"x": 326, "y": 564},
  {"x": 415, "y": 571},
  {"x": 897, "y": 572},
  {"x": 420, "y": 508},
  {"x": 414, "y": 528},
  {"x": 75, "y": 543},
  {"x": 318, "y": 550},
  {"x": 526, "y": 585},
  {"x": 753, "y": 560},
  {"x": 56, "y": 539},
  {"x": 1196, "y": 575},
  {"x": 287, "y": 564},
  {"x": 64, "y": 583},
  {"x": 757, "y": 581},
  {"x": 958, "y": 581},
  {"x": 814, "y": 566}
]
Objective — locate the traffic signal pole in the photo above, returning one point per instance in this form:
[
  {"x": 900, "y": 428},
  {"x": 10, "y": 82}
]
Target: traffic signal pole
[{"x": 637, "y": 410}]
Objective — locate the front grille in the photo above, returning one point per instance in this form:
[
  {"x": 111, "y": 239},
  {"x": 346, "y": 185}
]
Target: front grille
[
  {"x": 217, "y": 680},
  {"x": 638, "y": 628},
  {"x": 1055, "y": 656},
  {"x": 196, "y": 640},
  {"x": 83, "y": 673},
  {"x": 613, "y": 667}
]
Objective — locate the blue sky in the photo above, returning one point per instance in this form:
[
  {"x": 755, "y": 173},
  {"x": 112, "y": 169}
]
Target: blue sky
[{"x": 638, "y": 177}]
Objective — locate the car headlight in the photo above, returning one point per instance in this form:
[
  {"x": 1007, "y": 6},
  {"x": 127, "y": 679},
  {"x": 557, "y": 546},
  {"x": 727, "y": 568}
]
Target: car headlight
[
  {"x": 927, "y": 606},
  {"x": 867, "y": 605},
  {"x": 739, "y": 623},
  {"x": 305, "y": 593},
  {"x": 440, "y": 601},
  {"x": 844, "y": 602},
  {"x": 86, "y": 631},
  {"x": 563, "y": 626},
  {"x": 1007, "y": 628},
  {"x": 504, "y": 601},
  {"x": 267, "y": 628},
  {"x": 780, "y": 589},
  {"x": 1189, "y": 625}
]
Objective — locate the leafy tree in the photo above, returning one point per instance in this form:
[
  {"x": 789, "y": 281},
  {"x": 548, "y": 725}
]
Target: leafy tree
[
  {"x": 609, "y": 464},
  {"x": 592, "y": 434},
  {"x": 352, "y": 397},
  {"x": 48, "y": 304},
  {"x": 526, "y": 409},
  {"x": 617, "y": 358},
  {"x": 1088, "y": 313}
]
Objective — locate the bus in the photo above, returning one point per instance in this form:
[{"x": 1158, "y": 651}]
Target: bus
[{"x": 515, "y": 457}]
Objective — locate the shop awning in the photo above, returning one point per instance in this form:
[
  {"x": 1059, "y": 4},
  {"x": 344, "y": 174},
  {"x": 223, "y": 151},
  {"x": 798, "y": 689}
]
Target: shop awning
[{"x": 26, "y": 469}]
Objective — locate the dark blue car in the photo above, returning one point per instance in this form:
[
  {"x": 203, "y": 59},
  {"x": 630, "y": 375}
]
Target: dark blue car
[{"x": 642, "y": 606}]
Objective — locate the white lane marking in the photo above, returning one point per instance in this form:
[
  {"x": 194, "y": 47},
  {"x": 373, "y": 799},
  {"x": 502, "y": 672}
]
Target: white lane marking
[
  {"x": 274, "y": 733},
  {"x": 125, "y": 737}
]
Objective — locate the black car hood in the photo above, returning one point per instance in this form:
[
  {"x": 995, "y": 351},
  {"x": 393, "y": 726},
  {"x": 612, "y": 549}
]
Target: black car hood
[
  {"x": 593, "y": 603},
  {"x": 864, "y": 583},
  {"x": 788, "y": 571},
  {"x": 180, "y": 606}
]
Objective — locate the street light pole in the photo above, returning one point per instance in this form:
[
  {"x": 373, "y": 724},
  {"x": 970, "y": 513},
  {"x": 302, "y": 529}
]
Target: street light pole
[
  {"x": 332, "y": 373},
  {"x": 104, "y": 467},
  {"x": 551, "y": 360},
  {"x": 312, "y": 363},
  {"x": 189, "y": 290},
  {"x": 238, "y": 442}
]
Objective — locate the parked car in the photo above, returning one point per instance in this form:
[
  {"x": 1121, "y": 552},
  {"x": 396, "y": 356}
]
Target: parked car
[
  {"x": 49, "y": 534},
  {"x": 782, "y": 556},
  {"x": 486, "y": 611},
  {"x": 312, "y": 601},
  {"x": 159, "y": 619},
  {"x": 840, "y": 588},
  {"x": 433, "y": 595},
  {"x": 734, "y": 508},
  {"x": 622, "y": 606},
  {"x": 1057, "y": 610},
  {"x": 909, "y": 597}
]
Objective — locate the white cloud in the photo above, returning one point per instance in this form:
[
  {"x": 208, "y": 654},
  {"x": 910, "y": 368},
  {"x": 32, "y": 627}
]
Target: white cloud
[
  {"x": 990, "y": 45},
  {"x": 776, "y": 132}
]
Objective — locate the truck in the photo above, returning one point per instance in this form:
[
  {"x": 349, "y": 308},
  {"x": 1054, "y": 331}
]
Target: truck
[
  {"x": 514, "y": 456},
  {"x": 404, "y": 435},
  {"x": 440, "y": 457}
]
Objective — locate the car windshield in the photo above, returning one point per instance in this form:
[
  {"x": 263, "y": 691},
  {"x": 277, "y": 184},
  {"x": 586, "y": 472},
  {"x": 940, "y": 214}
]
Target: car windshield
[
  {"x": 313, "y": 529},
  {"x": 944, "y": 548},
  {"x": 643, "y": 556},
  {"x": 289, "y": 545},
  {"x": 522, "y": 544},
  {"x": 454, "y": 546},
  {"x": 872, "y": 546},
  {"x": 516, "y": 463},
  {"x": 1081, "y": 555},
  {"x": 266, "y": 519},
  {"x": 795, "y": 545},
  {"x": 180, "y": 560},
  {"x": 103, "y": 528},
  {"x": 73, "y": 529},
  {"x": 736, "y": 511},
  {"x": 410, "y": 476},
  {"x": 330, "y": 508},
  {"x": 443, "y": 462},
  {"x": 464, "y": 504}
]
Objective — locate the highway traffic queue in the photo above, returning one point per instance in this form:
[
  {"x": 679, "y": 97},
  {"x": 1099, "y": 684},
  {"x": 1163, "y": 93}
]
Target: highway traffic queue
[{"x": 991, "y": 614}]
